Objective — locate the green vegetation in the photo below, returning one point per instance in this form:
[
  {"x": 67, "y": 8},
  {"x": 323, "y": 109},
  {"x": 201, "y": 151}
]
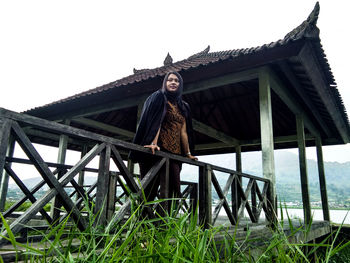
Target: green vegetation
[
  {"x": 171, "y": 238},
  {"x": 24, "y": 206}
]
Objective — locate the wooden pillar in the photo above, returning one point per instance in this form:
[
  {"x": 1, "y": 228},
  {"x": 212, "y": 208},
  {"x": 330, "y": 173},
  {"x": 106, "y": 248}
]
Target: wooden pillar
[
  {"x": 303, "y": 169},
  {"x": 205, "y": 205},
  {"x": 266, "y": 129},
  {"x": 4, "y": 179},
  {"x": 322, "y": 178},
  {"x": 61, "y": 158}
]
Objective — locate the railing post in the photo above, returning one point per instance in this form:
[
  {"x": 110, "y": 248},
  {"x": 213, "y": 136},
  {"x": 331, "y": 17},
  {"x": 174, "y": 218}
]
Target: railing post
[
  {"x": 81, "y": 173},
  {"x": 254, "y": 203},
  {"x": 205, "y": 196},
  {"x": 112, "y": 188},
  {"x": 5, "y": 130},
  {"x": 102, "y": 186},
  {"x": 61, "y": 158}
]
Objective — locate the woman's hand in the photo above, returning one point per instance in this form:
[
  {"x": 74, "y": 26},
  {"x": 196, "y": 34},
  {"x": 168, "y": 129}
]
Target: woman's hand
[
  {"x": 194, "y": 158},
  {"x": 153, "y": 147}
]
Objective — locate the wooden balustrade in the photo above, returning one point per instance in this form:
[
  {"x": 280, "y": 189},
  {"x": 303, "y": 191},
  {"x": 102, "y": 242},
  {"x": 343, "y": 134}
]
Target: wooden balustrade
[{"x": 114, "y": 188}]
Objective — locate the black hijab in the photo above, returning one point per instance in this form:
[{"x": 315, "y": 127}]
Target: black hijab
[{"x": 175, "y": 96}]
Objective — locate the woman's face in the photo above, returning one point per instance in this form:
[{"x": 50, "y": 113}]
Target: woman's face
[{"x": 172, "y": 83}]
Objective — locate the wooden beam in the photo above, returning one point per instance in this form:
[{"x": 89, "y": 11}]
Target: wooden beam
[
  {"x": 104, "y": 126},
  {"x": 213, "y": 133},
  {"x": 276, "y": 140},
  {"x": 322, "y": 178},
  {"x": 301, "y": 91},
  {"x": 221, "y": 81},
  {"x": 310, "y": 62},
  {"x": 267, "y": 146},
  {"x": 5, "y": 130},
  {"x": 303, "y": 170},
  {"x": 286, "y": 96}
]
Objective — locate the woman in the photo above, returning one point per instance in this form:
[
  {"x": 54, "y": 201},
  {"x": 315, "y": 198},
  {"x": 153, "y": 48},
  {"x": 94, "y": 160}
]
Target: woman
[{"x": 166, "y": 125}]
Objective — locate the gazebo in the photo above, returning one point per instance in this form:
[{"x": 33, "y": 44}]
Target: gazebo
[{"x": 276, "y": 96}]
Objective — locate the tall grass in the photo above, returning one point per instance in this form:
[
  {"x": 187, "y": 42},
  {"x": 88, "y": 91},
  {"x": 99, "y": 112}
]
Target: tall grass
[{"x": 171, "y": 238}]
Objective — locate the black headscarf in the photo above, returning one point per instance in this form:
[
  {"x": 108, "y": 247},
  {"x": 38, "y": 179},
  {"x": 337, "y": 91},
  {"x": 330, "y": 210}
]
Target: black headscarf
[{"x": 175, "y": 96}]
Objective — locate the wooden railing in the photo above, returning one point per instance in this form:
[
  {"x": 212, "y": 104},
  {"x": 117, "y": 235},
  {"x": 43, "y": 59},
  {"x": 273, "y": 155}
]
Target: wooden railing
[{"x": 103, "y": 193}]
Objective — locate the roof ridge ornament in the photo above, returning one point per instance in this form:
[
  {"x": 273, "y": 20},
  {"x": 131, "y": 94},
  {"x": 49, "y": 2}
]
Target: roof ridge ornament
[
  {"x": 168, "y": 60},
  {"x": 200, "y": 54},
  {"x": 308, "y": 28}
]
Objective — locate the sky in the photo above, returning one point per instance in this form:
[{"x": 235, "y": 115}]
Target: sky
[{"x": 50, "y": 50}]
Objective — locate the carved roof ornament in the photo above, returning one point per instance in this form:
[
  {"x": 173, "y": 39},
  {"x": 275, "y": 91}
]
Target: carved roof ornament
[
  {"x": 200, "y": 54},
  {"x": 140, "y": 70},
  {"x": 168, "y": 60},
  {"x": 308, "y": 28}
]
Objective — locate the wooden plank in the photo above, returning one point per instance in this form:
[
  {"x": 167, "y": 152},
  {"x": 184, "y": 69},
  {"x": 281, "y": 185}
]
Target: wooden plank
[
  {"x": 310, "y": 62},
  {"x": 253, "y": 201},
  {"x": 266, "y": 128},
  {"x": 213, "y": 133},
  {"x": 102, "y": 186},
  {"x": 47, "y": 175},
  {"x": 104, "y": 126},
  {"x": 222, "y": 195},
  {"x": 303, "y": 170},
  {"x": 322, "y": 178},
  {"x": 26, "y": 191},
  {"x": 205, "y": 196},
  {"x": 301, "y": 91}
]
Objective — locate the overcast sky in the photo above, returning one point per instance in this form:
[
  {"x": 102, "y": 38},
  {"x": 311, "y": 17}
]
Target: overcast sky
[{"x": 53, "y": 49}]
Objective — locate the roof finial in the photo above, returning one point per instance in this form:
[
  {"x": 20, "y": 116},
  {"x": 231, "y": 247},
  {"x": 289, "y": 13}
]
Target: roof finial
[
  {"x": 202, "y": 53},
  {"x": 168, "y": 60},
  {"x": 308, "y": 28}
]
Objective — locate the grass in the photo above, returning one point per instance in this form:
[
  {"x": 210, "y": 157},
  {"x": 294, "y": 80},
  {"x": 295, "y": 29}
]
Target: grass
[{"x": 172, "y": 238}]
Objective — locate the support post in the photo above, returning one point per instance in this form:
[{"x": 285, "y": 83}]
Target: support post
[
  {"x": 322, "y": 178},
  {"x": 266, "y": 129},
  {"x": 303, "y": 169},
  {"x": 4, "y": 180},
  {"x": 61, "y": 159},
  {"x": 205, "y": 205}
]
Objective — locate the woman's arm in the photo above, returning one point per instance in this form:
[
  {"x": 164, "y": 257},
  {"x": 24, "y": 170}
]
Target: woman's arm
[
  {"x": 153, "y": 146},
  {"x": 185, "y": 144}
]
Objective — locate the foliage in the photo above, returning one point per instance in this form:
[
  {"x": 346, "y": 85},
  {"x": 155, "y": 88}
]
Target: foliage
[{"x": 171, "y": 238}]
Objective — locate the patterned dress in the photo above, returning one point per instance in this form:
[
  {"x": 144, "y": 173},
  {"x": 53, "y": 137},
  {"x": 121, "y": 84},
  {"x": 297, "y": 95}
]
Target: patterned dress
[{"x": 170, "y": 131}]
